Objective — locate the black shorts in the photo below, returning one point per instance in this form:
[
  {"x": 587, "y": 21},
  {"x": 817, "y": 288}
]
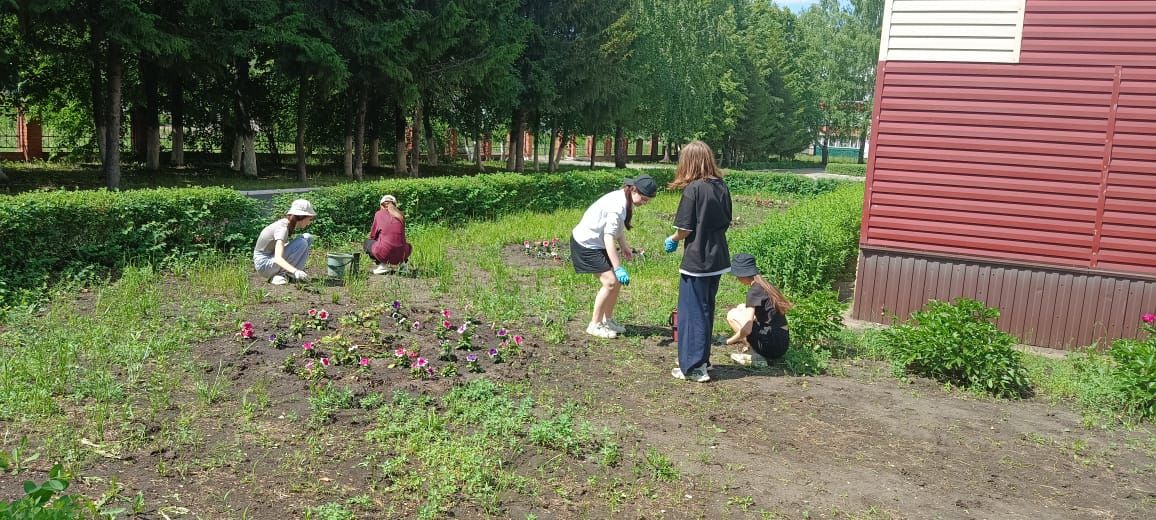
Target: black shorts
[
  {"x": 588, "y": 261},
  {"x": 769, "y": 342}
]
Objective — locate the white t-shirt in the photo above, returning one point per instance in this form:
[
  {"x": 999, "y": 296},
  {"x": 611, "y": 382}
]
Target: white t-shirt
[
  {"x": 605, "y": 217},
  {"x": 270, "y": 235}
]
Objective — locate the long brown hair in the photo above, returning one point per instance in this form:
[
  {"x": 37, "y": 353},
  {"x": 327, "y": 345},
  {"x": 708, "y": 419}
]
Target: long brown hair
[
  {"x": 629, "y": 205},
  {"x": 695, "y": 162},
  {"x": 293, "y": 220},
  {"x": 781, "y": 303}
]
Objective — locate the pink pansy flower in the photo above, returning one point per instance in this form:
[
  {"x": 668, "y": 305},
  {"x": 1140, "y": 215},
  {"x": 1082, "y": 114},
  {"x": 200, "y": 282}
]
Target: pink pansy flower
[
  {"x": 324, "y": 361},
  {"x": 308, "y": 365},
  {"x": 364, "y": 362},
  {"x": 312, "y": 312},
  {"x": 1149, "y": 318},
  {"x": 462, "y": 329},
  {"x": 447, "y": 324},
  {"x": 417, "y": 325},
  {"x": 399, "y": 352},
  {"x": 446, "y": 313},
  {"x": 308, "y": 345},
  {"x": 421, "y": 362},
  {"x": 322, "y": 315},
  {"x": 518, "y": 340},
  {"x": 526, "y": 244}
]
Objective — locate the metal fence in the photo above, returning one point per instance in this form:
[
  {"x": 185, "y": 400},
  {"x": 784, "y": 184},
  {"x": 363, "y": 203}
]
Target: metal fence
[{"x": 9, "y": 138}]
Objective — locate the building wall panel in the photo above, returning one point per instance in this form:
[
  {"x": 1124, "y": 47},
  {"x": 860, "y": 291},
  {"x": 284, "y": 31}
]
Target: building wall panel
[
  {"x": 1089, "y": 32},
  {"x": 952, "y": 30},
  {"x": 1056, "y": 308}
]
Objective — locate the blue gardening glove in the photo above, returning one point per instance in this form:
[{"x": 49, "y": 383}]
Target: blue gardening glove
[
  {"x": 670, "y": 245},
  {"x": 622, "y": 275}
]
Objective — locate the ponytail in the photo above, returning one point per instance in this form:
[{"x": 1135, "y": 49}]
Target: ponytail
[
  {"x": 629, "y": 205},
  {"x": 293, "y": 219},
  {"x": 781, "y": 303}
]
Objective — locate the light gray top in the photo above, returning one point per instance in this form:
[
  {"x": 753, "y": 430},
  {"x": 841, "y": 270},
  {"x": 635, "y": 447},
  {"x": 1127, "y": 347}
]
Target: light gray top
[{"x": 267, "y": 241}]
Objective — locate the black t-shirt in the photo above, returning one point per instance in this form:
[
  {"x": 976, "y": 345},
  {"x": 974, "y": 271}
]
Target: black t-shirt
[
  {"x": 705, "y": 210},
  {"x": 764, "y": 307}
]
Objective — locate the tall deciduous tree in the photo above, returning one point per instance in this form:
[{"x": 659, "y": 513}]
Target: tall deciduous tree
[{"x": 842, "y": 50}]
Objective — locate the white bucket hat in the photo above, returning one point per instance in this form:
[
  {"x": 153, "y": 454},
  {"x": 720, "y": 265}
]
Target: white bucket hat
[
  {"x": 302, "y": 207},
  {"x": 388, "y": 198}
]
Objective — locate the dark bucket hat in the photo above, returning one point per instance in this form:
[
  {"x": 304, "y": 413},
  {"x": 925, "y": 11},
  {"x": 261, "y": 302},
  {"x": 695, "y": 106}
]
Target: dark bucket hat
[
  {"x": 744, "y": 265},
  {"x": 644, "y": 184}
]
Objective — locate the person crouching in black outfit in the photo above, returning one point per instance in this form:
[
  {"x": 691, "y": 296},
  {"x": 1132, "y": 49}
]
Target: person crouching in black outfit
[{"x": 762, "y": 320}]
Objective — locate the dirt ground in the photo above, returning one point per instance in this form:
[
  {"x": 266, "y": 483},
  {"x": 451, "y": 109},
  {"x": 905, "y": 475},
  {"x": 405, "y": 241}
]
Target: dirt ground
[{"x": 752, "y": 443}]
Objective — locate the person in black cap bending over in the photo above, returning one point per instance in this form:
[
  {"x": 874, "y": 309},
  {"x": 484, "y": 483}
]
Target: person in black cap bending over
[
  {"x": 595, "y": 244},
  {"x": 762, "y": 321}
]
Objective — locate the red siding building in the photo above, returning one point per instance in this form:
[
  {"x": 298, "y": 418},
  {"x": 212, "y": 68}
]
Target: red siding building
[{"x": 1013, "y": 160}]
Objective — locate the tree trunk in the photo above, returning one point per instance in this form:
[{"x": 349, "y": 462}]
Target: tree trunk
[
  {"x": 550, "y": 150},
  {"x": 112, "y": 150},
  {"x": 534, "y": 145},
  {"x": 302, "y": 113},
  {"x": 826, "y": 149},
  {"x": 3, "y": 176},
  {"x": 151, "y": 113},
  {"x": 271, "y": 137},
  {"x": 248, "y": 160},
  {"x": 478, "y": 152},
  {"x": 359, "y": 145},
  {"x": 518, "y": 141},
  {"x": 431, "y": 142},
  {"x": 177, "y": 98},
  {"x": 619, "y": 147},
  {"x": 593, "y": 148},
  {"x": 99, "y": 108},
  {"x": 249, "y": 163},
  {"x": 666, "y": 153},
  {"x": 561, "y": 147},
  {"x": 347, "y": 162},
  {"x": 863, "y": 142},
  {"x": 654, "y": 147},
  {"x": 375, "y": 152},
  {"x": 399, "y": 126},
  {"x": 415, "y": 159},
  {"x": 237, "y": 151}
]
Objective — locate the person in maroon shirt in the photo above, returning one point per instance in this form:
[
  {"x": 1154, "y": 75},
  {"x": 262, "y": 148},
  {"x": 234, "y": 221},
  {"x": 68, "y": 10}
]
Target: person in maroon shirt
[{"x": 387, "y": 244}]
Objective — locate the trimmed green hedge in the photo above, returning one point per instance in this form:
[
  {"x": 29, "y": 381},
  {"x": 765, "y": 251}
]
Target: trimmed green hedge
[
  {"x": 345, "y": 211},
  {"x": 78, "y": 234},
  {"x": 858, "y": 170},
  {"x": 811, "y": 245},
  {"x": 69, "y": 233}
]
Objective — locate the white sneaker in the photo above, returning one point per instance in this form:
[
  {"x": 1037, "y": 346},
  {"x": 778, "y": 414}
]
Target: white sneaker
[
  {"x": 597, "y": 329},
  {"x": 381, "y": 269},
  {"x": 697, "y": 375},
  {"x": 613, "y": 325},
  {"x": 279, "y": 280},
  {"x": 750, "y": 359}
]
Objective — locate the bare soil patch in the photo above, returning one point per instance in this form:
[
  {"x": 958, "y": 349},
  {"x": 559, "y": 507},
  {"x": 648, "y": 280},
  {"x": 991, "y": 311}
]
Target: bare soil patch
[{"x": 749, "y": 444}]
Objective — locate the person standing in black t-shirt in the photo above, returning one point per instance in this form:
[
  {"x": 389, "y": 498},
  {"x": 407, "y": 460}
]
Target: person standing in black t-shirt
[
  {"x": 702, "y": 219},
  {"x": 762, "y": 321}
]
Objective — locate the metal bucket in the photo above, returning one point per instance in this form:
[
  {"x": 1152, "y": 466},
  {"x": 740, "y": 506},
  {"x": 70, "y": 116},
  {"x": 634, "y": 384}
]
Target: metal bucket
[{"x": 341, "y": 265}]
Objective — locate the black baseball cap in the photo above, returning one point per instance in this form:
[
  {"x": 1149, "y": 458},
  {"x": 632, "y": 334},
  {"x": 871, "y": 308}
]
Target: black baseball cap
[{"x": 644, "y": 184}]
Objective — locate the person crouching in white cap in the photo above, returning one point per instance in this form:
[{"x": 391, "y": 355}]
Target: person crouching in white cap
[
  {"x": 387, "y": 244},
  {"x": 277, "y": 257}
]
